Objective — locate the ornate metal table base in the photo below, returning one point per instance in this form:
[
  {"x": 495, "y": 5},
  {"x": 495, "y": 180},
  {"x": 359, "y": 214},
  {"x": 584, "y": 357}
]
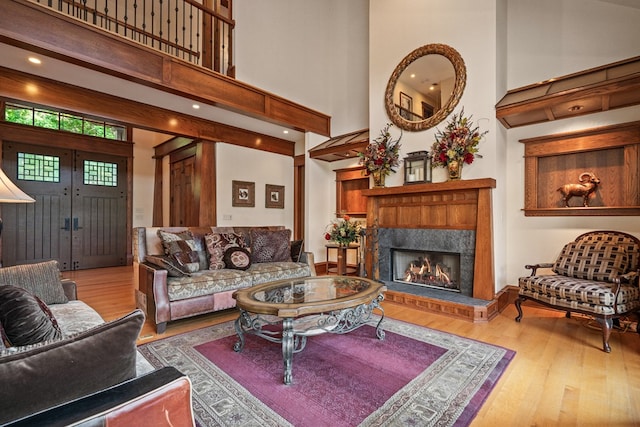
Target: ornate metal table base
[{"x": 295, "y": 331}]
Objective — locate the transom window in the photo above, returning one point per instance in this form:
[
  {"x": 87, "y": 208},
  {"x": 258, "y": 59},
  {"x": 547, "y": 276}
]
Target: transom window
[{"x": 57, "y": 120}]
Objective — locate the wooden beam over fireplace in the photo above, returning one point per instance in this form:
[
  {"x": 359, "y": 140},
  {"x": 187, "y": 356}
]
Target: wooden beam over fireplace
[{"x": 454, "y": 205}]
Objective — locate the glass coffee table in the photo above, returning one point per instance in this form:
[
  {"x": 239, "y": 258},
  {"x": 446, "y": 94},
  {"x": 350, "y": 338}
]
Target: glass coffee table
[{"x": 289, "y": 311}]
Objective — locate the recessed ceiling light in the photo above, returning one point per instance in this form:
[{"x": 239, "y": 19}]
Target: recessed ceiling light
[
  {"x": 196, "y": 106},
  {"x": 35, "y": 60},
  {"x": 285, "y": 131}
]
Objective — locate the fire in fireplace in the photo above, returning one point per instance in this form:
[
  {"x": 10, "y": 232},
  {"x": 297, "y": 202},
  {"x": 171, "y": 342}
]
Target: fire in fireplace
[{"x": 432, "y": 269}]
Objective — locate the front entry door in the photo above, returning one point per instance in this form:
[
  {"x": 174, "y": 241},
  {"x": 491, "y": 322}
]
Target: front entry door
[{"x": 79, "y": 217}]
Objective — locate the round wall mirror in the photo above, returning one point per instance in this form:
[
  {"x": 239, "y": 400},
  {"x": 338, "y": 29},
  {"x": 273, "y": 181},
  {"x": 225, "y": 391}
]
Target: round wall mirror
[{"x": 425, "y": 87}]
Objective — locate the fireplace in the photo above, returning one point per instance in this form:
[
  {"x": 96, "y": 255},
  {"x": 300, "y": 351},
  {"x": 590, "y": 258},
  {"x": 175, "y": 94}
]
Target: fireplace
[
  {"x": 452, "y": 217},
  {"x": 431, "y": 269},
  {"x": 451, "y": 253}
]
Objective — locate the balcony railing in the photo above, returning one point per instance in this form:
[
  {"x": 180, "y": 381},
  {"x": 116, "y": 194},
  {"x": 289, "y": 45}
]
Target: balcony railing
[{"x": 182, "y": 28}]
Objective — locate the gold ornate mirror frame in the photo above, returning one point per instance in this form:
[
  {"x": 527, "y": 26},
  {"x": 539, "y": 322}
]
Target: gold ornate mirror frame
[{"x": 460, "y": 81}]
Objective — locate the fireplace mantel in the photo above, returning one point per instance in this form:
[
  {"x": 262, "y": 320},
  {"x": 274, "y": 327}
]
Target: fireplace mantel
[
  {"x": 463, "y": 184},
  {"x": 451, "y": 205}
]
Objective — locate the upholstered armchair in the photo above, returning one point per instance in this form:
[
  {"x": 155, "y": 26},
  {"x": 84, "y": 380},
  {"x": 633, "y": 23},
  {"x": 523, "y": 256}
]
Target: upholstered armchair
[{"x": 596, "y": 274}]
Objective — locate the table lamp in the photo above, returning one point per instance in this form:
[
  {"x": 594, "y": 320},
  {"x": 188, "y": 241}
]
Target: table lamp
[{"x": 10, "y": 193}]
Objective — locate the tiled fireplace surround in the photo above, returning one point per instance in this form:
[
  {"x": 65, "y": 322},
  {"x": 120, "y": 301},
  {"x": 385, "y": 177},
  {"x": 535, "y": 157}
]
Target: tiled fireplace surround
[{"x": 453, "y": 216}]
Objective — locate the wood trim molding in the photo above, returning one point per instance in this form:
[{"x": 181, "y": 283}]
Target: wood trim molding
[{"x": 73, "y": 98}]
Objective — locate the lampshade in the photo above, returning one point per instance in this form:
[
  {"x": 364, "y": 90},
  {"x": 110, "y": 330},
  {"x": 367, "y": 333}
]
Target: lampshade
[{"x": 10, "y": 193}]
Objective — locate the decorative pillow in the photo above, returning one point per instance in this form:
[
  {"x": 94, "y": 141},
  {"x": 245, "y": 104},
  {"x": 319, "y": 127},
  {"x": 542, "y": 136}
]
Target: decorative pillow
[
  {"x": 181, "y": 247},
  {"x": 40, "y": 279},
  {"x": 25, "y": 318},
  {"x": 218, "y": 243},
  {"x": 270, "y": 245},
  {"x": 56, "y": 372},
  {"x": 173, "y": 267},
  {"x": 237, "y": 258},
  {"x": 296, "y": 250},
  {"x": 593, "y": 260}
]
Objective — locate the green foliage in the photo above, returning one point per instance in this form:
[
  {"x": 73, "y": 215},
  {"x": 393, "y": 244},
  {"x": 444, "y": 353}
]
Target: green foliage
[{"x": 50, "y": 119}]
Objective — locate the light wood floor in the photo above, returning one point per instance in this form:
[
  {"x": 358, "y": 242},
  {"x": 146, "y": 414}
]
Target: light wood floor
[{"x": 559, "y": 376}]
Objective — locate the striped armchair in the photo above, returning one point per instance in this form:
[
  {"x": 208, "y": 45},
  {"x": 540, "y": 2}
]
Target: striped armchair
[{"x": 596, "y": 274}]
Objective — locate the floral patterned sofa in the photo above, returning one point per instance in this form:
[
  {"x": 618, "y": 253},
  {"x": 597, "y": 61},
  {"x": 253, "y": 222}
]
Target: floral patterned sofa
[
  {"x": 187, "y": 271},
  {"x": 596, "y": 274},
  {"x": 62, "y": 364}
]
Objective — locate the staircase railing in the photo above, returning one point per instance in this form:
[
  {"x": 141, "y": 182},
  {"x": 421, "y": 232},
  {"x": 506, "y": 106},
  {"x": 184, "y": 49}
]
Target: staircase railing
[{"x": 182, "y": 28}]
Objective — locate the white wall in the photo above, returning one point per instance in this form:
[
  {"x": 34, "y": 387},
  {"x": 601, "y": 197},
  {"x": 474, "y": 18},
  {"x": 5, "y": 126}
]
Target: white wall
[
  {"x": 246, "y": 164},
  {"x": 314, "y": 53},
  {"x": 144, "y": 175},
  {"x": 546, "y": 39},
  {"x": 470, "y": 27}
]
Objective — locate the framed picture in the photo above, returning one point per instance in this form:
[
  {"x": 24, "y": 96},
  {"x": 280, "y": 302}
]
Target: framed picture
[
  {"x": 274, "y": 196},
  {"x": 243, "y": 194},
  {"x": 406, "y": 105}
]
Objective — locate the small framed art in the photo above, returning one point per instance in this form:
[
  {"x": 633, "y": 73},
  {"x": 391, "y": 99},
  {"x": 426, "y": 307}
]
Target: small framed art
[
  {"x": 274, "y": 196},
  {"x": 243, "y": 194}
]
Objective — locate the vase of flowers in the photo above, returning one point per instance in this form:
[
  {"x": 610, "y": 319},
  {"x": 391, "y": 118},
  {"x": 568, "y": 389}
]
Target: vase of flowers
[
  {"x": 456, "y": 145},
  {"x": 381, "y": 156},
  {"x": 343, "y": 231}
]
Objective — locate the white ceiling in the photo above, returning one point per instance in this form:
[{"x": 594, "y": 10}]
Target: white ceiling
[{"x": 16, "y": 58}]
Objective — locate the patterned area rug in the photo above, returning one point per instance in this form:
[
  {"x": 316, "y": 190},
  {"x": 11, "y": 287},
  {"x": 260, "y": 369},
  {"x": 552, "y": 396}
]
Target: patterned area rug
[{"x": 415, "y": 376}]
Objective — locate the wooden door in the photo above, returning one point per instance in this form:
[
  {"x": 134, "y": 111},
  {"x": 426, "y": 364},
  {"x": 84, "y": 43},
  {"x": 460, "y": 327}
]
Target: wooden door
[
  {"x": 38, "y": 231},
  {"x": 79, "y": 217},
  {"x": 183, "y": 210},
  {"x": 98, "y": 220}
]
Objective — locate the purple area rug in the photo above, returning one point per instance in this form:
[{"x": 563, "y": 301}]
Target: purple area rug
[
  {"x": 415, "y": 376},
  {"x": 339, "y": 379}
]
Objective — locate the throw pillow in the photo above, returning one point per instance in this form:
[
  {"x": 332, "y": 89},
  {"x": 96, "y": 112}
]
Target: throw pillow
[
  {"x": 218, "y": 243},
  {"x": 40, "y": 279},
  {"x": 270, "y": 245},
  {"x": 25, "y": 318},
  {"x": 237, "y": 258},
  {"x": 593, "y": 260},
  {"x": 296, "y": 250},
  {"x": 46, "y": 375},
  {"x": 173, "y": 267},
  {"x": 182, "y": 247}
]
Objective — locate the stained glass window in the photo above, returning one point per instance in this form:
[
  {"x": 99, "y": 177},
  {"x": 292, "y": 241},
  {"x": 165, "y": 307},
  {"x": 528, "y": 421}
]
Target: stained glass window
[
  {"x": 38, "y": 167},
  {"x": 100, "y": 173}
]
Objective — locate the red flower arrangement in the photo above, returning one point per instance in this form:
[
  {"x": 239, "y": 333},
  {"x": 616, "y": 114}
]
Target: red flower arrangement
[
  {"x": 458, "y": 142},
  {"x": 382, "y": 154},
  {"x": 343, "y": 231}
]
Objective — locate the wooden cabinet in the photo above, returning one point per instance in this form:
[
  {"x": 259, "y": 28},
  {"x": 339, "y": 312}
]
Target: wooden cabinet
[
  {"x": 350, "y": 183},
  {"x": 612, "y": 153}
]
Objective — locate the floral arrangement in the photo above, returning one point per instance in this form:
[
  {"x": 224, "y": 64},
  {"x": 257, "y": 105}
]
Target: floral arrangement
[
  {"x": 343, "y": 231},
  {"x": 458, "y": 142},
  {"x": 382, "y": 155}
]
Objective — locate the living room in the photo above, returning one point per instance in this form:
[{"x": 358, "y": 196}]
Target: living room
[{"x": 505, "y": 45}]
